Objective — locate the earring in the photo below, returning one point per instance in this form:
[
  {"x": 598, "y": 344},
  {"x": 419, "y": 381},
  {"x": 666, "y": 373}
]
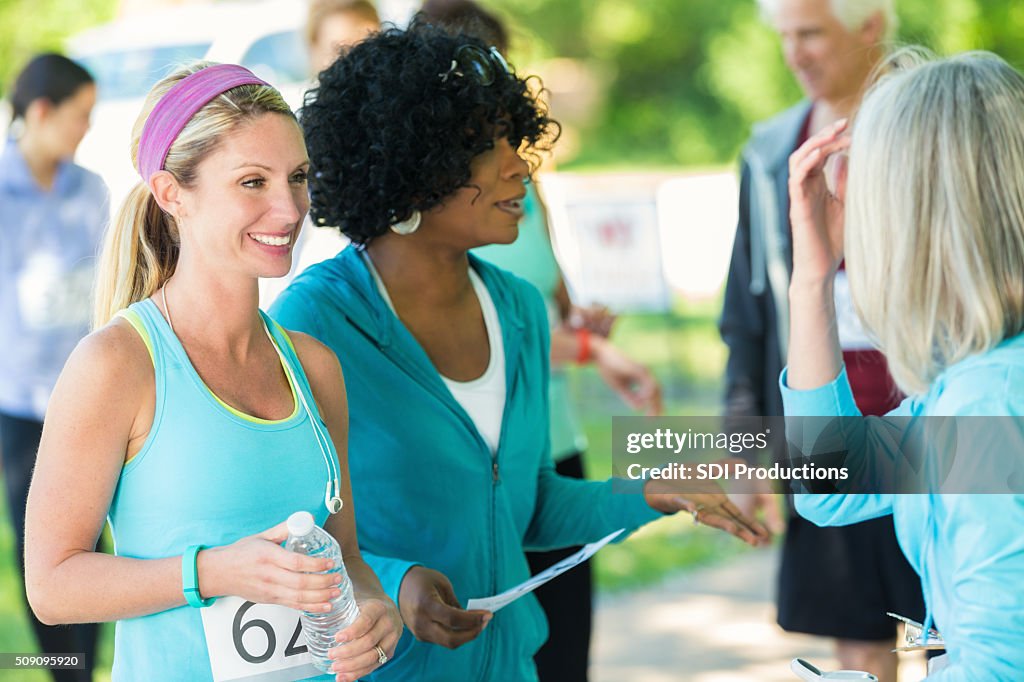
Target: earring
[{"x": 409, "y": 225}]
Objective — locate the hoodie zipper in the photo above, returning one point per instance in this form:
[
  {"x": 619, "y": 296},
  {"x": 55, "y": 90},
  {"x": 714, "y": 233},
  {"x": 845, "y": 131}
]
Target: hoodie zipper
[
  {"x": 410, "y": 368},
  {"x": 495, "y": 482}
]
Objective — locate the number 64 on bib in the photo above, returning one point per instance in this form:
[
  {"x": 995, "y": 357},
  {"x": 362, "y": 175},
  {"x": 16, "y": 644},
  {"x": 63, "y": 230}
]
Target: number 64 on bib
[{"x": 248, "y": 640}]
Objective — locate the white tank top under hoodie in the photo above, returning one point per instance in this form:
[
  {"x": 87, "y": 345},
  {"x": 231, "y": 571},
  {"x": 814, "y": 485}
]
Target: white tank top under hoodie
[{"x": 482, "y": 398}]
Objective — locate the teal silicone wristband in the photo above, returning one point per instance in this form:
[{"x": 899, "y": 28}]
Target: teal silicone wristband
[{"x": 190, "y": 578}]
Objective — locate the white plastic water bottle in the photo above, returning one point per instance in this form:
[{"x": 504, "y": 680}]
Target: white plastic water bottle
[{"x": 305, "y": 537}]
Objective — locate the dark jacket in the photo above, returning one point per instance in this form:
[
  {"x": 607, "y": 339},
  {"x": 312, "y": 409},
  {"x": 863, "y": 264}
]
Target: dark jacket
[{"x": 755, "y": 317}]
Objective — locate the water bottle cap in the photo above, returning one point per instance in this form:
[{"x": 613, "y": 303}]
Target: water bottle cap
[{"x": 300, "y": 523}]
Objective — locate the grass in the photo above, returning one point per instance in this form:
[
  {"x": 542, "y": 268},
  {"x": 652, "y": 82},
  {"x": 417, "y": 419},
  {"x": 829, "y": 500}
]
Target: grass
[{"x": 682, "y": 349}]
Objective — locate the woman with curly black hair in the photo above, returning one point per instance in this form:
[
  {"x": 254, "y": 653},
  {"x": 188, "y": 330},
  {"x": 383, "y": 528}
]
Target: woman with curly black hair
[{"x": 416, "y": 142}]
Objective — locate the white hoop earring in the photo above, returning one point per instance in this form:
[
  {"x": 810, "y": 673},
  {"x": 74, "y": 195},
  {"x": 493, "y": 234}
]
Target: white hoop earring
[{"x": 408, "y": 226}]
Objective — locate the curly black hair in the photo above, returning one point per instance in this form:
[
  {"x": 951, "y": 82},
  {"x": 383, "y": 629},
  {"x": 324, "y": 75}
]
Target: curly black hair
[{"x": 388, "y": 135}]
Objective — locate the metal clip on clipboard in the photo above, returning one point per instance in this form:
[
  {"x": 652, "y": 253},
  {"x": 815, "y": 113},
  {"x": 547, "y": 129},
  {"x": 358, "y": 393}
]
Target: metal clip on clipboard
[{"x": 914, "y": 637}]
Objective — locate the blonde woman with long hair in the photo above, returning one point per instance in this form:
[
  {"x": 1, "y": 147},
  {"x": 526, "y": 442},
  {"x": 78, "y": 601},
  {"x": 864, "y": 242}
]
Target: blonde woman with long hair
[
  {"x": 185, "y": 419},
  {"x": 930, "y": 216}
]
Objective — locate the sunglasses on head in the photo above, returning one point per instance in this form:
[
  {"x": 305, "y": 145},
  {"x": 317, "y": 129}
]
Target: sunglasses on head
[{"x": 483, "y": 66}]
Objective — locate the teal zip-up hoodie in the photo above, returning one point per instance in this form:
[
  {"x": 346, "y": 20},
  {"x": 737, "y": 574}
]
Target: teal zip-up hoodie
[{"x": 426, "y": 487}]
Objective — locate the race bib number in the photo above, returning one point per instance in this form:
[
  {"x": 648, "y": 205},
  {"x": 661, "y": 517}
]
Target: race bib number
[{"x": 249, "y": 641}]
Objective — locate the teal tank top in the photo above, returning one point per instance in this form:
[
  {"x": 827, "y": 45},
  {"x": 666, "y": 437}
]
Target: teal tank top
[{"x": 207, "y": 474}]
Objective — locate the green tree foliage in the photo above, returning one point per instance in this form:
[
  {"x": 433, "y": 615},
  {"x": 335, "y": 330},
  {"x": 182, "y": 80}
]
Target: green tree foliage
[
  {"x": 687, "y": 78},
  {"x": 28, "y": 27}
]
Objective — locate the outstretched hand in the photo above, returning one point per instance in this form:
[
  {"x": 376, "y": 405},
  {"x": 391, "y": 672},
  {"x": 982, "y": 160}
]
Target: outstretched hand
[
  {"x": 757, "y": 500},
  {"x": 709, "y": 505}
]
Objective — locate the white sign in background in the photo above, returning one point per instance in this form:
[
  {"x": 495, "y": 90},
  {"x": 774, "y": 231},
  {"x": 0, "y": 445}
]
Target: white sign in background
[
  {"x": 627, "y": 240},
  {"x": 697, "y": 217},
  {"x": 619, "y": 254}
]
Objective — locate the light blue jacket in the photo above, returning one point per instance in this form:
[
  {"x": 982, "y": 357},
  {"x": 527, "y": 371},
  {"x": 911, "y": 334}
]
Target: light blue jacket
[
  {"x": 426, "y": 488},
  {"x": 967, "y": 548},
  {"x": 48, "y": 245}
]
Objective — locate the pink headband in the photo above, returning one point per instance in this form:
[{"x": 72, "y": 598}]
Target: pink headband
[{"x": 179, "y": 105}]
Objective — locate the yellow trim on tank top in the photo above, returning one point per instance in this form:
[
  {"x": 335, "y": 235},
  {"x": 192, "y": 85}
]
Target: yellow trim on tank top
[
  {"x": 135, "y": 321},
  {"x": 287, "y": 338},
  {"x": 256, "y": 420}
]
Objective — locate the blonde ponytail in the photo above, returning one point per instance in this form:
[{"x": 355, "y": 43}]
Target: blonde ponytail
[{"x": 140, "y": 252}]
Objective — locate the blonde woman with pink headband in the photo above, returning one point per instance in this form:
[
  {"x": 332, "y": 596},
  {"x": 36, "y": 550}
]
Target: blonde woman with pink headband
[{"x": 185, "y": 419}]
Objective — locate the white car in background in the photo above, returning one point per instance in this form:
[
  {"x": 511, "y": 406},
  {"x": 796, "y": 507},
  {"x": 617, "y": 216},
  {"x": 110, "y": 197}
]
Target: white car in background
[{"x": 129, "y": 55}]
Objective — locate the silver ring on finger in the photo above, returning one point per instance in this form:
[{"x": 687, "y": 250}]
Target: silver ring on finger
[
  {"x": 696, "y": 513},
  {"x": 382, "y": 657}
]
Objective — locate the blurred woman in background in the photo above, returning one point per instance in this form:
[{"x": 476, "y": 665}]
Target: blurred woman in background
[
  {"x": 52, "y": 215},
  {"x": 332, "y": 26}
]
